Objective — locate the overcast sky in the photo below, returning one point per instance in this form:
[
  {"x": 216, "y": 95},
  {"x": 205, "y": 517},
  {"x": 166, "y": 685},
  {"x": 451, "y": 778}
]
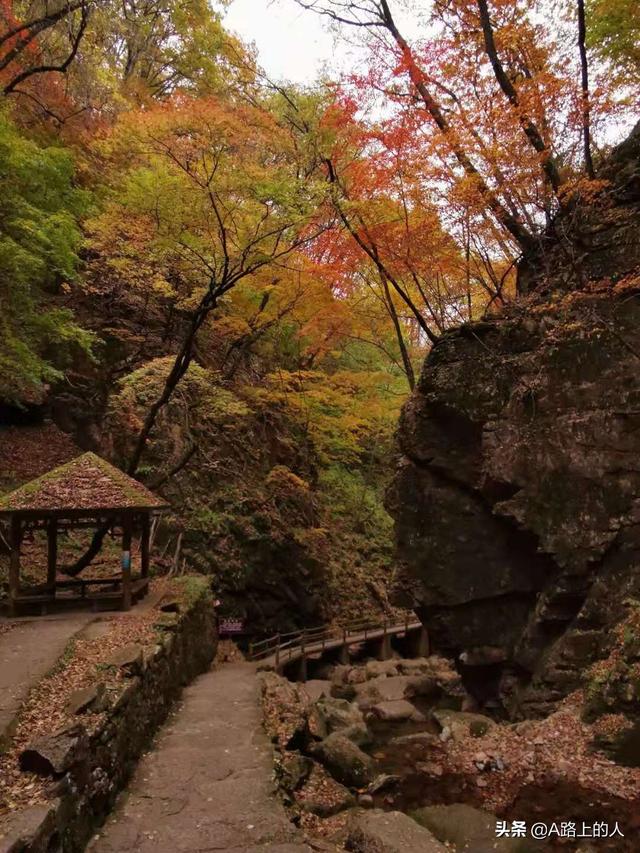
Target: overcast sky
[{"x": 293, "y": 44}]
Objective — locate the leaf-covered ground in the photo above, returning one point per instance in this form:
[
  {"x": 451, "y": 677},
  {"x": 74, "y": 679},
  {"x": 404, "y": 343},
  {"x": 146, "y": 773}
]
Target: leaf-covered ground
[{"x": 82, "y": 664}]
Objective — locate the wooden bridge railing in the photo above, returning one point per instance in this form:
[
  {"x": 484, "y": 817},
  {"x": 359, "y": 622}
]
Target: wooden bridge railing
[{"x": 283, "y": 647}]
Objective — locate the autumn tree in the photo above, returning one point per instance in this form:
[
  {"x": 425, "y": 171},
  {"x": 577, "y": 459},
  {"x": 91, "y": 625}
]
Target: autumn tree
[
  {"x": 217, "y": 194},
  {"x": 497, "y": 99},
  {"x": 37, "y": 39},
  {"x": 39, "y": 244},
  {"x": 224, "y": 196},
  {"x": 95, "y": 58},
  {"x": 390, "y": 237},
  {"x": 613, "y": 32},
  {"x": 377, "y": 16}
]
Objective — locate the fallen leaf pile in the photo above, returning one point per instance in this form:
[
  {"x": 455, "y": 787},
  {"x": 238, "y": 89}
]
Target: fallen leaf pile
[{"x": 560, "y": 746}]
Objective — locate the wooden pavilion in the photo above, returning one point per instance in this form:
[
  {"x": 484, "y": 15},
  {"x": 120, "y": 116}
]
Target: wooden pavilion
[{"x": 85, "y": 493}]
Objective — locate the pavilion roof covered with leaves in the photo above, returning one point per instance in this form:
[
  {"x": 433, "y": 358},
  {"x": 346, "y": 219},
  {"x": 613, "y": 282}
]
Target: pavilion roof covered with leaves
[{"x": 86, "y": 484}]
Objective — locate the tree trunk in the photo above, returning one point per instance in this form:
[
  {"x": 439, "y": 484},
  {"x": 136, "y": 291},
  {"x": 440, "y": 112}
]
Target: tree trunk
[
  {"x": 586, "y": 106},
  {"x": 528, "y": 125},
  {"x": 406, "y": 361}
]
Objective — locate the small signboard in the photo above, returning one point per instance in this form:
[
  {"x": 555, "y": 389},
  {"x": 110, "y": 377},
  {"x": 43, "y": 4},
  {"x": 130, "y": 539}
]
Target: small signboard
[{"x": 229, "y": 627}]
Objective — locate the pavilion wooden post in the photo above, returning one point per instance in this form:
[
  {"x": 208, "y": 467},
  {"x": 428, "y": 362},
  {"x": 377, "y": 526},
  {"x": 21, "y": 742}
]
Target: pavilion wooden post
[
  {"x": 15, "y": 535},
  {"x": 52, "y": 554},
  {"x": 144, "y": 546},
  {"x": 127, "y": 529}
]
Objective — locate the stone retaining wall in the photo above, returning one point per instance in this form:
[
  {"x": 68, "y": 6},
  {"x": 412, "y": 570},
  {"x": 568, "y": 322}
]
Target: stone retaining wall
[{"x": 94, "y": 764}]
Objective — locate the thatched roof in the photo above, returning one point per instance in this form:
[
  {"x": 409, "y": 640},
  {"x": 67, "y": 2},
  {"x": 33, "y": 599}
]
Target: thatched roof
[{"x": 87, "y": 484}]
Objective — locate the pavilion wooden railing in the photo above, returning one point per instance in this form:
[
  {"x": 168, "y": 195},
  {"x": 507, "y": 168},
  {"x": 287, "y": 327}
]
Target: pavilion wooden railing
[{"x": 283, "y": 647}]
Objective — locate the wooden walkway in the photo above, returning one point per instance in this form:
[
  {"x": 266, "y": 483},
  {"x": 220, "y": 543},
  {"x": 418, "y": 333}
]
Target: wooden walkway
[{"x": 283, "y": 649}]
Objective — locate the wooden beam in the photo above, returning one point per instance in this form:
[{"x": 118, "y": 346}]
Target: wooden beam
[
  {"x": 15, "y": 537},
  {"x": 52, "y": 554},
  {"x": 127, "y": 529},
  {"x": 144, "y": 546}
]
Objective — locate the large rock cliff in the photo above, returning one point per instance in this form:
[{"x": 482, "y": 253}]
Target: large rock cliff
[{"x": 517, "y": 498}]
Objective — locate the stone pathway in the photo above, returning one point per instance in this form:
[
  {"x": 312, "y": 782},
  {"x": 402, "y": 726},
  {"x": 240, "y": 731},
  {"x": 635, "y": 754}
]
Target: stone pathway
[
  {"x": 31, "y": 646},
  {"x": 28, "y": 651},
  {"x": 207, "y": 783}
]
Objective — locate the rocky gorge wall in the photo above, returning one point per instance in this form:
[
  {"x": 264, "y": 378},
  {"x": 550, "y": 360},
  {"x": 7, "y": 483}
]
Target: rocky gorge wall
[
  {"x": 90, "y": 762},
  {"x": 517, "y": 496}
]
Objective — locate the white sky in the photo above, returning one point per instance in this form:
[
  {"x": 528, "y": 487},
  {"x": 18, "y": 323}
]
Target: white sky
[
  {"x": 297, "y": 45},
  {"x": 293, "y": 44}
]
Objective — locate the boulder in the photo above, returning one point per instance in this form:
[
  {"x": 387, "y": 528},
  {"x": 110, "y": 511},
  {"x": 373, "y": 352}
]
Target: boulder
[
  {"x": 434, "y": 677},
  {"x": 54, "y": 754},
  {"x": 375, "y": 831},
  {"x": 28, "y": 829},
  {"x": 414, "y": 666},
  {"x": 462, "y": 724},
  {"x": 381, "y": 668},
  {"x": 381, "y": 689},
  {"x": 329, "y": 715},
  {"x": 424, "y": 738},
  {"x": 422, "y": 685},
  {"x": 359, "y": 734},
  {"x": 383, "y": 782},
  {"x": 395, "y": 711},
  {"x": 294, "y": 769},
  {"x": 470, "y": 829},
  {"x": 286, "y": 710},
  {"x": 355, "y": 675},
  {"x": 345, "y": 760},
  {"x": 322, "y": 795},
  {"x": 315, "y": 688}
]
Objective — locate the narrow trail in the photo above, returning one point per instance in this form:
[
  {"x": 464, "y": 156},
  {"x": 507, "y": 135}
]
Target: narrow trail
[
  {"x": 27, "y": 653},
  {"x": 207, "y": 782}
]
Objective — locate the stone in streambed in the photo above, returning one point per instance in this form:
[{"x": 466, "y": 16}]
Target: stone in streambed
[
  {"x": 383, "y": 782},
  {"x": 345, "y": 760},
  {"x": 376, "y": 831},
  {"x": 381, "y": 689},
  {"x": 461, "y": 723},
  {"x": 469, "y": 829},
  {"x": 321, "y": 795},
  {"x": 294, "y": 770},
  {"x": 395, "y": 711},
  {"x": 329, "y": 715},
  {"x": 316, "y": 688},
  {"x": 381, "y": 668}
]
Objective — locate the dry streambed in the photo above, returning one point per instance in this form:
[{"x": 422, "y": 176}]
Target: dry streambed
[{"x": 394, "y": 755}]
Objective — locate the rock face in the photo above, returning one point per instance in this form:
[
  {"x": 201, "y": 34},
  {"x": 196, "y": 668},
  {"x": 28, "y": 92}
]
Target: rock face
[{"x": 517, "y": 498}]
